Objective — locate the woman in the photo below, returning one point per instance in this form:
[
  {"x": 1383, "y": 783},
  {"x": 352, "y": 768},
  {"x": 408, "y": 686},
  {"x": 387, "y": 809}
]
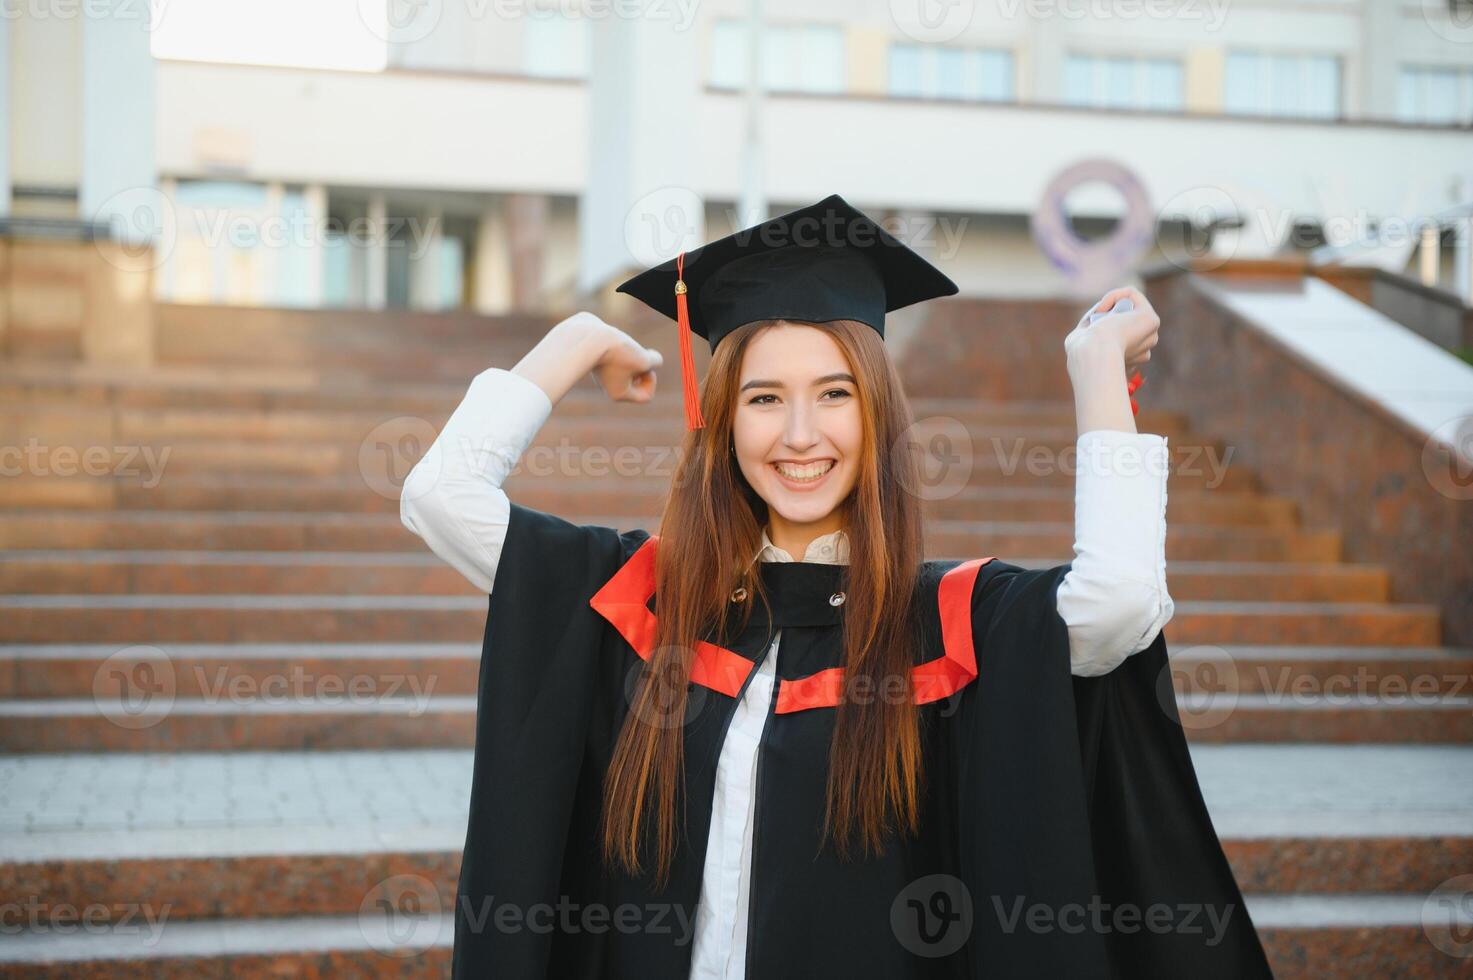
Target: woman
[{"x": 857, "y": 763}]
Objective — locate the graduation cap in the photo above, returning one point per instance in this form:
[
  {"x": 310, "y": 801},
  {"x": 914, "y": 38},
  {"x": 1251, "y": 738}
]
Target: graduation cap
[{"x": 827, "y": 261}]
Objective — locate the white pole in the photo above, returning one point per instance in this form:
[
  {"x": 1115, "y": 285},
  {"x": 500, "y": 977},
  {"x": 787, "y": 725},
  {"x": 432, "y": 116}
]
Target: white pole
[
  {"x": 1463, "y": 259},
  {"x": 752, "y": 207},
  {"x": 377, "y": 253},
  {"x": 1429, "y": 256}
]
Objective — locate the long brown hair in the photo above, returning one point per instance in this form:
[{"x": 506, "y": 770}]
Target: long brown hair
[{"x": 711, "y": 528}]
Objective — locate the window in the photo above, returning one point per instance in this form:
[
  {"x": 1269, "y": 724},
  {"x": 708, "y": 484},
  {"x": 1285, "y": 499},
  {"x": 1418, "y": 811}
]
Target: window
[
  {"x": 1436, "y": 95},
  {"x": 936, "y": 71},
  {"x": 1123, "y": 82},
  {"x": 795, "y": 57},
  {"x": 554, "y": 45},
  {"x": 1303, "y": 86}
]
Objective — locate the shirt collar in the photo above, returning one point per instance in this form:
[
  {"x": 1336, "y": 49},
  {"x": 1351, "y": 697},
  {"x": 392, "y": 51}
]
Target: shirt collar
[{"x": 828, "y": 549}]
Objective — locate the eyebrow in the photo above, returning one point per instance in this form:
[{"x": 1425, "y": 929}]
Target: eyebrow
[{"x": 765, "y": 383}]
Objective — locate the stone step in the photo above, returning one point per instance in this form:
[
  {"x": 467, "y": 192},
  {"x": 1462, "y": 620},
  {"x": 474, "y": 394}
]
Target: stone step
[
  {"x": 317, "y": 531},
  {"x": 389, "y": 712},
  {"x": 366, "y": 358},
  {"x": 115, "y": 827},
  {"x": 384, "y": 454},
  {"x": 1305, "y": 623},
  {"x": 183, "y": 324},
  {"x": 540, "y": 474},
  {"x": 239, "y": 390},
  {"x": 52, "y": 425},
  {"x": 1331, "y": 843},
  {"x": 1314, "y": 936},
  {"x": 237, "y": 618},
  {"x": 256, "y": 720},
  {"x": 183, "y": 572},
  {"x": 332, "y": 879},
  {"x": 255, "y": 389},
  {"x": 204, "y": 492},
  {"x": 260, "y": 670},
  {"x": 1381, "y": 937},
  {"x": 244, "y": 388},
  {"x": 298, "y": 947},
  {"x": 248, "y": 389},
  {"x": 202, "y": 670},
  {"x": 1332, "y": 674},
  {"x": 1228, "y": 717},
  {"x": 129, "y": 619}
]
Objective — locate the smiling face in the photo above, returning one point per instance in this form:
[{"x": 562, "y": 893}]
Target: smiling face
[{"x": 798, "y": 431}]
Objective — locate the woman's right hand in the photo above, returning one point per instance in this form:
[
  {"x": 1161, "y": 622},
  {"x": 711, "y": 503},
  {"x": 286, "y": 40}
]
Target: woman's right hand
[
  {"x": 626, "y": 372},
  {"x": 583, "y": 343}
]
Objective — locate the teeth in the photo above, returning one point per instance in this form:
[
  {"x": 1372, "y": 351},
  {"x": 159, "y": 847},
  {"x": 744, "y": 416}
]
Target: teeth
[{"x": 810, "y": 471}]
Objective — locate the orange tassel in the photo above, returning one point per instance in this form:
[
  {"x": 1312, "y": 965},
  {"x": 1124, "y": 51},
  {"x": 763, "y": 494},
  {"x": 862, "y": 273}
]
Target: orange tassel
[
  {"x": 693, "y": 419},
  {"x": 1131, "y": 387}
]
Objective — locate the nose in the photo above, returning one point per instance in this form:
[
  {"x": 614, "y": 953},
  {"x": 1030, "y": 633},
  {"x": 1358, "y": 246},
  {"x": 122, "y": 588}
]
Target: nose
[{"x": 800, "y": 433}]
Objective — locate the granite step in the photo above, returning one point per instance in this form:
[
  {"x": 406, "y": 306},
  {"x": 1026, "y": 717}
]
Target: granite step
[
  {"x": 331, "y": 493},
  {"x": 51, "y": 425},
  {"x": 254, "y": 389},
  {"x": 328, "y": 531},
  {"x": 188, "y": 572},
  {"x": 325, "y": 717},
  {"x": 194, "y": 670},
  {"x": 303, "y": 711},
  {"x": 1375, "y": 937},
  {"x": 140, "y": 618},
  {"x": 1342, "y": 851},
  {"x": 386, "y": 451},
  {"x": 203, "y": 670}
]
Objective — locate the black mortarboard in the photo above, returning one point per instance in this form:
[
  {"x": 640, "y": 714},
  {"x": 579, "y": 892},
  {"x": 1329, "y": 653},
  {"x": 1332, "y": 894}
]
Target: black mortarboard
[{"x": 827, "y": 261}]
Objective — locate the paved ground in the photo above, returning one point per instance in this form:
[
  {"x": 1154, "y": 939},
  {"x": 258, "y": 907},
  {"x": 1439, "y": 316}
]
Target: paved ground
[{"x": 222, "y": 803}]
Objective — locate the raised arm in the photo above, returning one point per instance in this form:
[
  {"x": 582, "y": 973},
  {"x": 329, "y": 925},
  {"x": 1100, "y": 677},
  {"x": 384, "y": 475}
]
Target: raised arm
[
  {"x": 1114, "y": 598},
  {"x": 452, "y": 497}
]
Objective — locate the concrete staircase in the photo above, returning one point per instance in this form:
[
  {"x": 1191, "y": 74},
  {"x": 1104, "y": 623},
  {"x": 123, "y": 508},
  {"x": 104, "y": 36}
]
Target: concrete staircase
[{"x": 237, "y": 697}]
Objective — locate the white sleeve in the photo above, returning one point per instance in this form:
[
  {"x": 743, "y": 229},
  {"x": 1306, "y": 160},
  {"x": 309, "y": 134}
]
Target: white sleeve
[
  {"x": 452, "y": 497},
  {"x": 1114, "y": 599}
]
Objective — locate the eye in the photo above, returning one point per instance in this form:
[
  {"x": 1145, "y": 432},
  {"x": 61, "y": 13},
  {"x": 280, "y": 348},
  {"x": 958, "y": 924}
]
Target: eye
[
  {"x": 758, "y": 400},
  {"x": 842, "y": 392}
]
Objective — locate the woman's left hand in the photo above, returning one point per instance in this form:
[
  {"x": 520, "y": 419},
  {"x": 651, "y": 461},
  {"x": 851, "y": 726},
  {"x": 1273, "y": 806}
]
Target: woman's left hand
[
  {"x": 1132, "y": 333},
  {"x": 1102, "y": 355}
]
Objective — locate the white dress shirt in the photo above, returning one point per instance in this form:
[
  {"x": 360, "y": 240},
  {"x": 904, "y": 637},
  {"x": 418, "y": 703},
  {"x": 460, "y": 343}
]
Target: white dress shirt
[
  {"x": 1113, "y": 599},
  {"x": 720, "y": 949}
]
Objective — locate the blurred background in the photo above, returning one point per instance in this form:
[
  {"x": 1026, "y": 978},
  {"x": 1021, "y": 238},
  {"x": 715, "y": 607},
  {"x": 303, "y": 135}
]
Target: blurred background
[{"x": 251, "y": 255}]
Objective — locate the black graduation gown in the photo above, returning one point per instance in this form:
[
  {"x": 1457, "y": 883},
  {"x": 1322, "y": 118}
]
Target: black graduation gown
[{"x": 1064, "y": 832}]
